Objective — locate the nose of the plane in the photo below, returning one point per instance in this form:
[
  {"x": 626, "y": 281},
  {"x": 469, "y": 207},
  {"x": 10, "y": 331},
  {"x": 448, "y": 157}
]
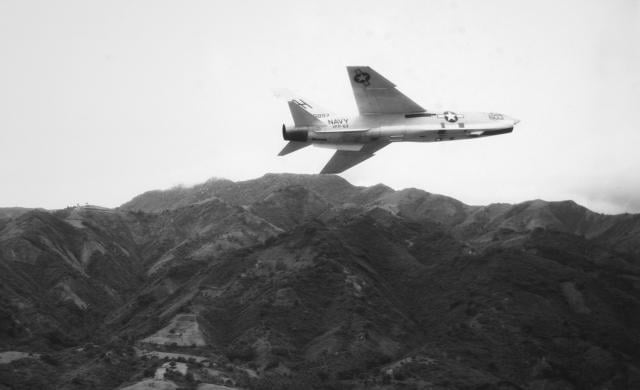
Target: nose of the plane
[{"x": 512, "y": 119}]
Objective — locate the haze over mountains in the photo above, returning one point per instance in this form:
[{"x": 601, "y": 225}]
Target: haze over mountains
[{"x": 302, "y": 281}]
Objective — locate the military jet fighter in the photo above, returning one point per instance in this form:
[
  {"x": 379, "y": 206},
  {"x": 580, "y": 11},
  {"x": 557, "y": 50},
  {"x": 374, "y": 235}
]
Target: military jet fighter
[{"x": 386, "y": 116}]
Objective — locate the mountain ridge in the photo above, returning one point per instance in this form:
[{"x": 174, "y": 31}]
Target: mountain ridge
[{"x": 416, "y": 203}]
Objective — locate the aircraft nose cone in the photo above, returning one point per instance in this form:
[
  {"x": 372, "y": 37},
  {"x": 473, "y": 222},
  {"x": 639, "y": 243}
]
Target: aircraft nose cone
[{"x": 511, "y": 119}]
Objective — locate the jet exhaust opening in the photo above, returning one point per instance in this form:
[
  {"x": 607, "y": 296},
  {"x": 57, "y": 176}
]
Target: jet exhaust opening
[{"x": 294, "y": 134}]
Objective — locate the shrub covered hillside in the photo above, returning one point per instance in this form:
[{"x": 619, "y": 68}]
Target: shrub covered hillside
[{"x": 305, "y": 281}]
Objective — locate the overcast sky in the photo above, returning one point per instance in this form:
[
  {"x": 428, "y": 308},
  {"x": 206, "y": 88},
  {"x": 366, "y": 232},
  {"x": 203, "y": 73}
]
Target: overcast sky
[{"x": 103, "y": 100}]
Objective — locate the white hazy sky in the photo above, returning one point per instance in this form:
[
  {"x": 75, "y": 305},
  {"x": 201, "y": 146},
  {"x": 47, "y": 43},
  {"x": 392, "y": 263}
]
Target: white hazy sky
[{"x": 102, "y": 100}]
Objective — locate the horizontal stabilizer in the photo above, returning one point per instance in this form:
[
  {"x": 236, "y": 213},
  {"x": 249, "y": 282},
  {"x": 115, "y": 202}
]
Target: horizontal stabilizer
[{"x": 292, "y": 146}]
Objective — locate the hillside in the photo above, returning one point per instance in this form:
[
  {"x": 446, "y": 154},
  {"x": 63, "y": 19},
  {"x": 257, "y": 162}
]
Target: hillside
[{"x": 306, "y": 281}]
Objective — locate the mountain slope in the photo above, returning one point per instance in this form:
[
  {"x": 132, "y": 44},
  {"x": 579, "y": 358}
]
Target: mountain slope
[
  {"x": 62, "y": 271},
  {"x": 304, "y": 281}
]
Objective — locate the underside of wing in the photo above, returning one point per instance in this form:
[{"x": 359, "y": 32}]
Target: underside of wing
[
  {"x": 375, "y": 94},
  {"x": 345, "y": 159}
]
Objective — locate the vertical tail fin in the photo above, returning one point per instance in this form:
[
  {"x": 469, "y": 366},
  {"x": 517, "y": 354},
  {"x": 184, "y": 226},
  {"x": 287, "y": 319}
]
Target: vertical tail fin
[
  {"x": 308, "y": 105},
  {"x": 302, "y": 117}
]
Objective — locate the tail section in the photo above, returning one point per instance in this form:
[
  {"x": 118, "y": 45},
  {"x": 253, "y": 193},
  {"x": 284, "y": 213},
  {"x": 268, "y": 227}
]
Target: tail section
[{"x": 306, "y": 117}]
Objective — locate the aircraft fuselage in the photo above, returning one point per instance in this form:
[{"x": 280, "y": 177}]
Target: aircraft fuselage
[
  {"x": 385, "y": 116},
  {"x": 420, "y": 127}
]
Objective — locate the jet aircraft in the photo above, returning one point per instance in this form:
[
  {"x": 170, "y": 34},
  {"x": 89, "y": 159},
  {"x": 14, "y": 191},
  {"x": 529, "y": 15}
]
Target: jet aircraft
[{"x": 385, "y": 116}]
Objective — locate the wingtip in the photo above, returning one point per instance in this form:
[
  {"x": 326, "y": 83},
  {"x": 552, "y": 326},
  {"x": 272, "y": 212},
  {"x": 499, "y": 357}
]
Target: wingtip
[{"x": 329, "y": 171}]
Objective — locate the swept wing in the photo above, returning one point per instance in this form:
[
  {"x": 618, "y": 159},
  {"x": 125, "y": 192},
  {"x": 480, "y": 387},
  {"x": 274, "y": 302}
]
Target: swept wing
[
  {"x": 345, "y": 159},
  {"x": 375, "y": 94}
]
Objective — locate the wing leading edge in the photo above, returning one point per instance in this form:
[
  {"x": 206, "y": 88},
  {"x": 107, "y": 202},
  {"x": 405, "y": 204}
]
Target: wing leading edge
[
  {"x": 375, "y": 94},
  {"x": 345, "y": 159}
]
